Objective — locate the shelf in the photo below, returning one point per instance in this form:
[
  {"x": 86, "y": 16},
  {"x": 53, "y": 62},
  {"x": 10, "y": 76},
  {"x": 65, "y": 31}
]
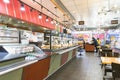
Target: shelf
[
  {"x": 8, "y": 37},
  {"x": 7, "y": 42},
  {"x": 9, "y": 30}
]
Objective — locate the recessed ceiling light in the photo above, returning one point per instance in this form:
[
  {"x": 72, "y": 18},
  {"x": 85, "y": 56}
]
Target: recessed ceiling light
[
  {"x": 73, "y": 11},
  {"x": 49, "y": 12},
  {"x": 115, "y": 6}
]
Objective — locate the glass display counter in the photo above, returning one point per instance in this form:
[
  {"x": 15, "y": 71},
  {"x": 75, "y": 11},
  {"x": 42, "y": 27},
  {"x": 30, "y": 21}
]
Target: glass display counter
[
  {"x": 17, "y": 56},
  {"x": 31, "y": 51},
  {"x": 7, "y": 35},
  {"x": 56, "y": 41}
]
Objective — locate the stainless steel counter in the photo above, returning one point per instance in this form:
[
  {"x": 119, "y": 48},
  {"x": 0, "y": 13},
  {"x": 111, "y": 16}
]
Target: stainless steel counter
[
  {"x": 11, "y": 67},
  {"x": 66, "y": 50}
]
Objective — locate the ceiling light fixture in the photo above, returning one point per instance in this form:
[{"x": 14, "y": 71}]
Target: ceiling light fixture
[
  {"x": 52, "y": 21},
  {"x": 31, "y": 9},
  {"x": 40, "y": 16},
  {"x": 6, "y": 1},
  {"x": 73, "y": 11},
  {"x": 22, "y": 7},
  {"x": 40, "y": 3},
  {"x": 108, "y": 9},
  {"x": 49, "y": 12},
  {"x": 57, "y": 23},
  {"x": 56, "y": 17},
  {"x": 47, "y": 19}
]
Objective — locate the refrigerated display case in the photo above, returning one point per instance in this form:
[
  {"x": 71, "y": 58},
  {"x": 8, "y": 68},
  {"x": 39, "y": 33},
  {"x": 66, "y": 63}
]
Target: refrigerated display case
[
  {"x": 14, "y": 57},
  {"x": 31, "y": 51}
]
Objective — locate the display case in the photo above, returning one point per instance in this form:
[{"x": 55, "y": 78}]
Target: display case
[
  {"x": 9, "y": 35},
  {"x": 54, "y": 40},
  {"x": 9, "y": 51}
]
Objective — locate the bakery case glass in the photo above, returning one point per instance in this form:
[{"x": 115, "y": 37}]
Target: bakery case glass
[{"x": 54, "y": 40}]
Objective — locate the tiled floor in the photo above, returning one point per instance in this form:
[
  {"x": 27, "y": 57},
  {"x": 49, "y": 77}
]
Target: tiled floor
[{"x": 85, "y": 67}]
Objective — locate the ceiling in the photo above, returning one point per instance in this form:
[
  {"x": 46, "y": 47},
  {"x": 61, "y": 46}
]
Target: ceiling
[
  {"x": 87, "y": 10},
  {"x": 95, "y": 13},
  {"x": 49, "y": 5}
]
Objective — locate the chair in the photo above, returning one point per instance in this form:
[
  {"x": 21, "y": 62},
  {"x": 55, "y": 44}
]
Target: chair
[
  {"x": 110, "y": 53},
  {"x": 115, "y": 72},
  {"x": 116, "y": 54},
  {"x": 107, "y": 68},
  {"x": 80, "y": 49},
  {"x": 106, "y": 52}
]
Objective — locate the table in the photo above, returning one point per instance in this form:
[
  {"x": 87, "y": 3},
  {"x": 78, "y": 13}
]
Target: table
[{"x": 109, "y": 60}]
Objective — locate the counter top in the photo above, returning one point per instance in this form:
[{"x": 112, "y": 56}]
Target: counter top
[
  {"x": 8, "y": 68},
  {"x": 66, "y": 50},
  {"x": 14, "y": 66},
  {"x": 48, "y": 50},
  {"x": 36, "y": 57},
  {"x": 6, "y": 56},
  {"x": 55, "y": 50}
]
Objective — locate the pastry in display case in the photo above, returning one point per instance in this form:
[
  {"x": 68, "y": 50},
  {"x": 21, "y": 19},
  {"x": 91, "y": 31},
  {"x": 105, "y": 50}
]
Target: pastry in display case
[
  {"x": 55, "y": 42},
  {"x": 45, "y": 46}
]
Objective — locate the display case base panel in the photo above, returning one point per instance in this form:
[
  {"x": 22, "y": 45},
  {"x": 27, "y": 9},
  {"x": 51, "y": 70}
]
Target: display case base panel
[{"x": 14, "y": 75}]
